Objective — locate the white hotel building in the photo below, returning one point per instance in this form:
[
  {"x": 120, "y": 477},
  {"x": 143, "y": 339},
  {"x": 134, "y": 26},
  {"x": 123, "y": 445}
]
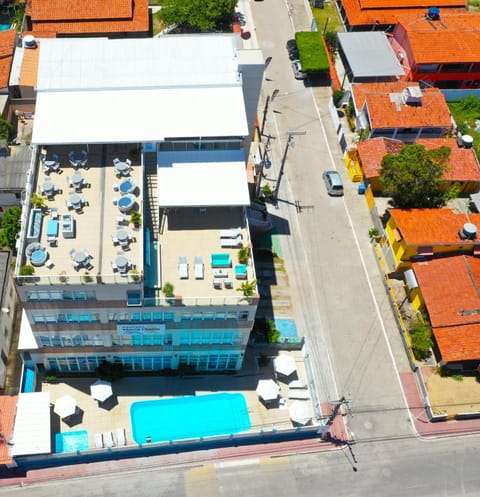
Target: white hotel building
[{"x": 182, "y": 110}]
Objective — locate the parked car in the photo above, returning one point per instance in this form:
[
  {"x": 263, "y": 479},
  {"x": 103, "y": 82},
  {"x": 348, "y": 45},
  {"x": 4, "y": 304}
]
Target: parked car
[
  {"x": 333, "y": 182},
  {"x": 297, "y": 70},
  {"x": 292, "y": 49}
]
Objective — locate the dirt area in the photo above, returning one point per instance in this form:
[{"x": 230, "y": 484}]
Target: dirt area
[{"x": 451, "y": 396}]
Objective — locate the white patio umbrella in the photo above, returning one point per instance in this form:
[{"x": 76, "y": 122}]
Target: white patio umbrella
[
  {"x": 101, "y": 390},
  {"x": 285, "y": 364},
  {"x": 267, "y": 389},
  {"x": 300, "y": 412},
  {"x": 65, "y": 406}
]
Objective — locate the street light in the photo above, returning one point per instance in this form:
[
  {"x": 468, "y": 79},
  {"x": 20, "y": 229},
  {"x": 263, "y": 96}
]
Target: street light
[
  {"x": 265, "y": 109},
  {"x": 290, "y": 136}
]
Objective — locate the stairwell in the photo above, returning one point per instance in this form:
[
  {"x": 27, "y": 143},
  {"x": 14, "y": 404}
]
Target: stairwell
[{"x": 151, "y": 183}]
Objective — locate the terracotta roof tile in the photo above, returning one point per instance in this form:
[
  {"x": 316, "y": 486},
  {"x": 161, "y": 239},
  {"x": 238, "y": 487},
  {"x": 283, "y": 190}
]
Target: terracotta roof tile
[
  {"x": 450, "y": 289},
  {"x": 8, "y": 407},
  {"x": 29, "y": 69},
  {"x": 389, "y": 12},
  {"x": 78, "y": 18},
  {"x": 463, "y": 163},
  {"x": 455, "y": 38},
  {"x": 432, "y": 226},
  {"x": 7, "y": 47},
  {"x": 386, "y": 113}
]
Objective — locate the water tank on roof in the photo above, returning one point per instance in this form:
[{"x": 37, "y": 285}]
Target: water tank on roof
[
  {"x": 29, "y": 41},
  {"x": 470, "y": 231},
  {"x": 467, "y": 141},
  {"x": 433, "y": 13}
]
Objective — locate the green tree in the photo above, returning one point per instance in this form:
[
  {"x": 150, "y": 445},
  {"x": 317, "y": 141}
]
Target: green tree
[
  {"x": 5, "y": 128},
  {"x": 10, "y": 227},
  {"x": 193, "y": 16},
  {"x": 414, "y": 177}
]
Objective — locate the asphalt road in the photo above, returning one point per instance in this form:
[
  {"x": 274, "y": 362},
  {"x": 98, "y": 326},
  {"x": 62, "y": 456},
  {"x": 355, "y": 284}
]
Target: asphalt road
[
  {"x": 404, "y": 468},
  {"x": 337, "y": 288}
]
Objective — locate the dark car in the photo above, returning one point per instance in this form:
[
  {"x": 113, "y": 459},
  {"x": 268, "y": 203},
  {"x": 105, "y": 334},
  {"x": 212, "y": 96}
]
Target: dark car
[{"x": 292, "y": 49}]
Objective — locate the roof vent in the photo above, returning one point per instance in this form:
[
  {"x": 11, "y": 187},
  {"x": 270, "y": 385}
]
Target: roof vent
[
  {"x": 469, "y": 231},
  {"x": 412, "y": 95},
  {"x": 467, "y": 141},
  {"x": 29, "y": 41},
  {"x": 433, "y": 14}
]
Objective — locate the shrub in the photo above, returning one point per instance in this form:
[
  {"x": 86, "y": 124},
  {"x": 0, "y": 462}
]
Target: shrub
[
  {"x": 168, "y": 290},
  {"x": 421, "y": 335},
  {"x": 109, "y": 371},
  {"x": 272, "y": 333},
  {"x": 248, "y": 288},
  {"x": 267, "y": 191},
  {"x": 10, "y": 227},
  {"x": 373, "y": 233},
  {"x": 337, "y": 97},
  {"x": 243, "y": 255},
  {"x": 27, "y": 270}
]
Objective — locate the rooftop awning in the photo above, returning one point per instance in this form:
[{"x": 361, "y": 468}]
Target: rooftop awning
[
  {"x": 26, "y": 340},
  {"x": 370, "y": 55},
  {"x": 31, "y": 434},
  {"x": 138, "y": 115},
  {"x": 203, "y": 185}
]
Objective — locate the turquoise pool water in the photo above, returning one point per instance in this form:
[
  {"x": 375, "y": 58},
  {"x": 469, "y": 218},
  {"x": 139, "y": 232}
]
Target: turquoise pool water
[
  {"x": 286, "y": 327},
  {"x": 189, "y": 417},
  {"x": 28, "y": 381},
  {"x": 4, "y": 27},
  {"x": 72, "y": 441}
]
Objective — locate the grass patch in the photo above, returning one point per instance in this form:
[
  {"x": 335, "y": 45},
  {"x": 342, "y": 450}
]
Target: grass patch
[
  {"x": 328, "y": 16},
  {"x": 313, "y": 55},
  {"x": 465, "y": 113}
]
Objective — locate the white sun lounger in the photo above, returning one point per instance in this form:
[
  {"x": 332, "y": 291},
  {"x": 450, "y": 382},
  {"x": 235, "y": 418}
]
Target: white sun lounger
[
  {"x": 298, "y": 394},
  {"x": 98, "y": 441},
  {"x": 121, "y": 437},
  {"x": 231, "y": 242},
  {"x": 182, "y": 267},
  {"x": 237, "y": 232},
  {"x": 199, "y": 267},
  {"x": 297, "y": 384},
  {"x": 108, "y": 439}
]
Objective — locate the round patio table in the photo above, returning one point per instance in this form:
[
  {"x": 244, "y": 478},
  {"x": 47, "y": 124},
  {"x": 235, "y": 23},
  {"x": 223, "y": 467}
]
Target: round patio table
[
  {"x": 126, "y": 203},
  {"x": 48, "y": 187},
  {"x": 39, "y": 257},
  {"x": 121, "y": 261},
  {"x": 122, "y": 236},
  {"x": 127, "y": 185},
  {"x": 76, "y": 200},
  {"x": 77, "y": 179},
  {"x": 80, "y": 257}
]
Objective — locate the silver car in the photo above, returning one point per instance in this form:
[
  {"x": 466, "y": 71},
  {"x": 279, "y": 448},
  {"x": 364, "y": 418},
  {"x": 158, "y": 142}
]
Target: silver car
[
  {"x": 297, "y": 70},
  {"x": 333, "y": 182}
]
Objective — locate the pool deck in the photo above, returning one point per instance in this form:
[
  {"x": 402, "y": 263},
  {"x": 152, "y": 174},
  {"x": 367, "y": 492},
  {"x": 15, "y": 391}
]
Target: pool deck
[{"x": 115, "y": 412}]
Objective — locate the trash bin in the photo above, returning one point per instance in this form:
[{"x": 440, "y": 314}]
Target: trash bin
[{"x": 361, "y": 189}]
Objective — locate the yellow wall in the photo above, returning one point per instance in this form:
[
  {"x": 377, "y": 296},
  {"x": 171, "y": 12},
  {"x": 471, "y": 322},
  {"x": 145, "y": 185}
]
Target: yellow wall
[{"x": 353, "y": 165}]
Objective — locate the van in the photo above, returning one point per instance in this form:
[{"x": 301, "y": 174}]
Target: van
[{"x": 333, "y": 182}]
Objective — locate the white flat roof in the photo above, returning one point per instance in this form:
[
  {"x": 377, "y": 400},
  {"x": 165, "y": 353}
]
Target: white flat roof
[
  {"x": 203, "y": 184},
  {"x": 138, "y": 115},
  {"x": 165, "y": 61},
  {"x": 31, "y": 433}
]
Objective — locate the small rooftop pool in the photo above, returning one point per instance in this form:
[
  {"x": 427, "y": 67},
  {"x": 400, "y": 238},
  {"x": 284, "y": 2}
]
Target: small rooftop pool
[{"x": 71, "y": 441}]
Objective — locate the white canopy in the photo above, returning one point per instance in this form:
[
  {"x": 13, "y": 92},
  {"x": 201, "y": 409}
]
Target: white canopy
[
  {"x": 65, "y": 406},
  {"x": 138, "y": 115},
  {"x": 300, "y": 412},
  {"x": 31, "y": 433},
  {"x": 101, "y": 390},
  {"x": 201, "y": 185},
  {"x": 267, "y": 390},
  {"x": 285, "y": 364}
]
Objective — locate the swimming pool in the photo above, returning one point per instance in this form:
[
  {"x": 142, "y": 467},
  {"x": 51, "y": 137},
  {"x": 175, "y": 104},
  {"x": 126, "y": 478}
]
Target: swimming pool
[
  {"x": 189, "y": 417},
  {"x": 71, "y": 441}
]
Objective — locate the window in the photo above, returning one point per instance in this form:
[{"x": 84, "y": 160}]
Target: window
[{"x": 134, "y": 298}]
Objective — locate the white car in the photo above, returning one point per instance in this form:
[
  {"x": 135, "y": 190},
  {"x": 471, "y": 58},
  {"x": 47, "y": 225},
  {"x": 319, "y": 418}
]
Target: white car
[{"x": 297, "y": 70}]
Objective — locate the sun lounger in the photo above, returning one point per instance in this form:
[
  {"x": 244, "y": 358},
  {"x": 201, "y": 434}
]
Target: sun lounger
[
  {"x": 98, "y": 441},
  {"x": 298, "y": 394},
  {"x": 235, "y": 233},
  {"x": 198, "y": 267},
  {"x": 297, "y": 384},
  {"x": 108, "y": 439},
  {"x": 231, "y": 242},
  {"x": 121, "y": 437},
  {"x": 182, "y": 267}
]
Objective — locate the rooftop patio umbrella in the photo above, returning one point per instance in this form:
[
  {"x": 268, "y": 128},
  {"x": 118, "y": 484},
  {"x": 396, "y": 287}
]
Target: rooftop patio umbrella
[
  {"x": 101, "y": 390},
  {"x": 300, "y": 412},
  {"x": 285, "y": 364},
  {"x": 267, "y": 389},
  {"x": 65, "y": 406}
]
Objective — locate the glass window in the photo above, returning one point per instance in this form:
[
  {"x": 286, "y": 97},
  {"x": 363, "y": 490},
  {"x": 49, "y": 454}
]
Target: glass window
[
  {"x": 45, "y": 341},
  {"x": 134, "y": 298},
  {"x": 158, "y": 316},
  {"x": 167, "y": 339},
  {"x": 168, "y": 316},
  {"x": 136, "y": 340},
  {"x": 208, "y": 316},
  {"x": 186, "y": 316},
  {"x": 220, "y": 315},
  {"x": 232, "y": 362}
]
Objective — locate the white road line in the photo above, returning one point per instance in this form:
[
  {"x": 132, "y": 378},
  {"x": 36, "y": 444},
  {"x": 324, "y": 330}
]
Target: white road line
[{"x": 364, "y": 266}]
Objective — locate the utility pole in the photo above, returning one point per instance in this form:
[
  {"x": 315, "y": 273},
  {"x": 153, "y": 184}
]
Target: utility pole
[
  {"x": 289, "y": 144},
  {"x": 265, "y": 109}
]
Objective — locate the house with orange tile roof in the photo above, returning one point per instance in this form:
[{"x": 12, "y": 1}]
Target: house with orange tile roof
[
  {"x": 8, "y": 407},
  {"x": 449, "y": 293},
  {"x": 112, "y": 18},
  {"x": 401, "y": 111},
  {"x": 421, "y": 234},
  {"x": 443, "y": 52},
  {"x": 363, "y": 15},
  {"x": 463, "y": 166}
]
